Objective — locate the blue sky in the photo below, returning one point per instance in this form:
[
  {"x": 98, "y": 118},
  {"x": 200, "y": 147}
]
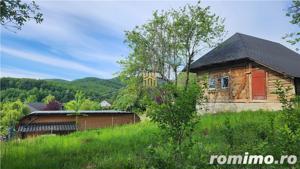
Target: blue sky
[{"x": 86, "y": 38}]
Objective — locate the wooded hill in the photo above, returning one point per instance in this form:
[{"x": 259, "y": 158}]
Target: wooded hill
[{"x": 64, "y": 91}]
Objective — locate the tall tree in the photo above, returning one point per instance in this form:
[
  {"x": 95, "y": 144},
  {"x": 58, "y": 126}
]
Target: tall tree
[
  {"x": 48, "y": 99},
  {"x": 294, "y": 13},
  {"x": 169, "y": 40},
  {"x": 76, "y": 105},
  {"x": 10, "y": 113},
  {"x": 31, "y": 99},
  {"x": 14, "y": 13},
  {"x": 197, "y": 28}
]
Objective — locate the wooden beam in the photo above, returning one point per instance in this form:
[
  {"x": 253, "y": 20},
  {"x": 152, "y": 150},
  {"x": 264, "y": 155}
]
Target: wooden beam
[{"x": 250, "y": 82}]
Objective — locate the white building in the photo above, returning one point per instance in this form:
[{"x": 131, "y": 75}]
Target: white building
[{"x": 105, "y": 103}]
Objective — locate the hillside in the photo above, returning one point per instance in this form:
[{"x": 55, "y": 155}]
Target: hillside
[
  {"x": 105, "y": 87},
  {"x": 128, "y": 146},
  {"x": 94, "y": 88}
]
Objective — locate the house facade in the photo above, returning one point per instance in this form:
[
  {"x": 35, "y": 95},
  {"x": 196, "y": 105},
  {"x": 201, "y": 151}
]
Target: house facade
[
  {"x": 242, "y": 71},
  {"x": 64, "y": 122}
]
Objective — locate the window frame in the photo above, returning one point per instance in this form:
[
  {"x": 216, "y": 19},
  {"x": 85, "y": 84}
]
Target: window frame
[
  {"x": 215, "y": 83},
  {"x": 223, "y": 77}
]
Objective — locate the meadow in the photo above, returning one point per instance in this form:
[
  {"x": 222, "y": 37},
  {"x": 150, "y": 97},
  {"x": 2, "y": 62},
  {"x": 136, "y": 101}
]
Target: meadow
[{"x": 126, "y": 146}]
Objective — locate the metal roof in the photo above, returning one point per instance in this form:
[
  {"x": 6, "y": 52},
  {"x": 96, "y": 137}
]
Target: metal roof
[
  {"x": 81, "y": 112},
  {"x": 36, "y": 106},
  {"x": 43, "y": 127},
  {"x": 267, "y": 53}
]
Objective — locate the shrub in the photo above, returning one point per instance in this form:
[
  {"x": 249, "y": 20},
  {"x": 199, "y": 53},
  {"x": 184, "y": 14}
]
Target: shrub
[{"x": 174, "y": 110}]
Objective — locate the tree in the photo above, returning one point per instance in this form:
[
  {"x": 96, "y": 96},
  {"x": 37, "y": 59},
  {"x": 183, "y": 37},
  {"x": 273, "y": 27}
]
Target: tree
[
  {"x": 289, "y": 130},
  {"x": 174, "y": 110},
  {"x": 90, "y": 105},
  {"x": 155, "y": 49},
  {"x": 294, "y": 12},
  {"x": 15, "y": 13},
  {"x": 11, "y": 112},
  {"x": 169, "y": 40},
  {"x": 48, "y": 99},
  {"x": 31, "y": 99},
  {"x": 76, "y": 104},
  {"x": 197, "y": 29},
  {"x": 130, "y": 97}
]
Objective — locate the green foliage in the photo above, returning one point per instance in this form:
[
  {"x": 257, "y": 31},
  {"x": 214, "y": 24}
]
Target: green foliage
[
  {"x": 228, "y": 132},
  {"x": 108, "y": 148},
  {"x": 15, "y": 13},
  {"x": 64, "y": 91},
  {"x": 283, "y": 95},
  {"x": 77, "y": 103},
  {"x": 95, "y": 88},
  {"x": 291, "y": 113},
  {"x": 31, "y": 99},
  {"x": 130, "y": 97},
  {"x": 49, "y": 99},
  {"x": 294, "y": 14},
  {"x": 170, "y": 39},
  {"x": 11, "y": 112},
  {"x": 90, "y": 105},
  {"x": 131, "y": 146},
  {"x": 182, "y": 77},
  {"x": 174, "y": 110},
  {"x": 197, "y": 29},
  {"x": 289, "y": 131}
]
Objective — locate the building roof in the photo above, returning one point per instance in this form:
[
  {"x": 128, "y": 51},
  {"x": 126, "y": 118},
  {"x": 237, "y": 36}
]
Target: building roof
[
  {"x": 42, "y": 127},
  {"x": 50, "y": 112},
  {"x": 105, "y": 103},
  {"x": 36, "y": 106},
  {"x": 240, "y": 46}
]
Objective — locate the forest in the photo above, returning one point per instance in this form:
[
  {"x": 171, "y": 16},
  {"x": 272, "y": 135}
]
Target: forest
[{"x": 93, "y": 88}]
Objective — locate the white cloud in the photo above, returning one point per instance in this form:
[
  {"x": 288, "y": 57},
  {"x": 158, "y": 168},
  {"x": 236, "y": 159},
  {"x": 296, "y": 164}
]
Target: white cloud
[
  {"x": 21, "y": 73},
  {"x": 53, "y": 61},
  {"x": 70, "y": 28}
]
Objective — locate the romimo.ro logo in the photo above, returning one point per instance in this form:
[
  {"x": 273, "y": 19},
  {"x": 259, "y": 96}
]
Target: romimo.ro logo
[{"x": 252, "y": 159}]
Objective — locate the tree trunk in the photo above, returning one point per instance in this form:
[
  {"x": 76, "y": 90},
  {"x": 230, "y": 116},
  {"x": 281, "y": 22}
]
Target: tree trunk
[
  {"x": 188, "y": 67},
  {"x": 175, "y": 71}
]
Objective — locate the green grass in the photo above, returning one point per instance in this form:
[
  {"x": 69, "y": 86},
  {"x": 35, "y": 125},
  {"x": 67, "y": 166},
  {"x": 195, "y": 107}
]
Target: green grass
[{"x": 125, "y": 146}]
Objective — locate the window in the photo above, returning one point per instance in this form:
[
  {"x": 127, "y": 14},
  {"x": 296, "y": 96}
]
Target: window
[
  {"x": 224, "y": 82},
  {"x": 212, "y": 83}
]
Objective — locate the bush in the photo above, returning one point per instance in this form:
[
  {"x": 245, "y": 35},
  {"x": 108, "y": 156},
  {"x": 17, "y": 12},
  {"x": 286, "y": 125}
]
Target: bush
[{"x": 174, "y": 110}]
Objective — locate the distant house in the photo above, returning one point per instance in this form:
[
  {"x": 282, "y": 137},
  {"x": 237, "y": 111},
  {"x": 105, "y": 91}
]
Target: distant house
[
  {"x": 36, "y": 106},
  {"x": 64, "y": 122},
  {"x": 105, "y": 104},
  {"x": 242, "y": 72}
]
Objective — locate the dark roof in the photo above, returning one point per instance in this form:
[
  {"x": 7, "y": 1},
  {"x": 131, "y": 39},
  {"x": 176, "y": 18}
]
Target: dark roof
[
  {"x": 267, "y": 53},
  {"x": 36, "y": 106},
  {"x": 56, "y": 126},
  {"x": 46, "y": 112}
]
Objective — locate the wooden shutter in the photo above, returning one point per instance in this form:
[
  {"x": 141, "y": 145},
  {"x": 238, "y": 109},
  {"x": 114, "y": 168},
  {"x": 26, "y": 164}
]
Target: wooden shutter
[{"x": 259, "y": 85}]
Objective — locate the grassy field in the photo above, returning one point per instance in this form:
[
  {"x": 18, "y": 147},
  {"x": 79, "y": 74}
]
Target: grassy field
[{"x": 125, "y": 146}]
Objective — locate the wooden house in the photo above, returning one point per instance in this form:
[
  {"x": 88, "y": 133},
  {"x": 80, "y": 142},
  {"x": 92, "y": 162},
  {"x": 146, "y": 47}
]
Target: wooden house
[
  {"x": 64, "y": 122},
  {"x": 242, "y": 71}
]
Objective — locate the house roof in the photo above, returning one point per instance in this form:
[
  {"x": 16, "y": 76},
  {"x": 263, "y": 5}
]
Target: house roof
[
  {"x": 36, "y": 106},
  {"x": 54, "y": 126},
  {"x": 105, "y": 103},
  {"x": 55, "y": 112},
  {"x": 240, "y": 46}
]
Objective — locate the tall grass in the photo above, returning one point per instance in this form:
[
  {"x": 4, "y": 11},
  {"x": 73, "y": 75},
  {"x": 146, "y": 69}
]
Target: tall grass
[
  {"x": 125, "y": 146},
  {"x": 105, "y": 148}
]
